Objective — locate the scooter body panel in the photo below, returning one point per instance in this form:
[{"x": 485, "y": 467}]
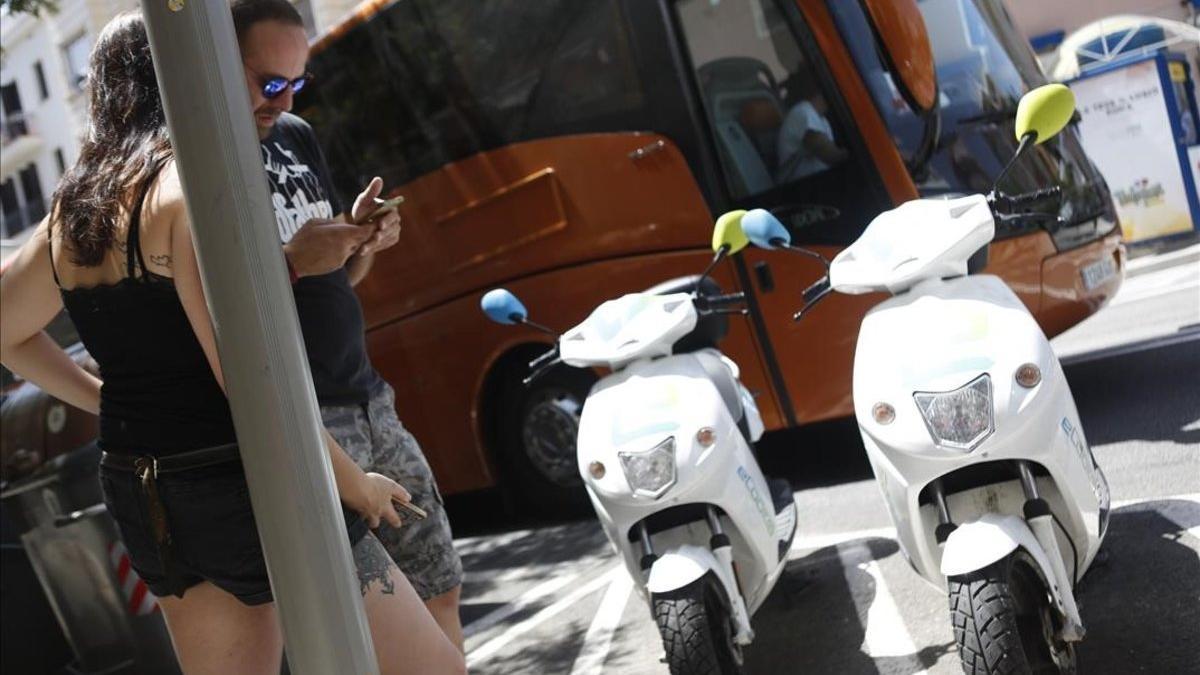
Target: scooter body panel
[
  {"x": 639, "y": 407},
  {"x": 937, "y": 338}
]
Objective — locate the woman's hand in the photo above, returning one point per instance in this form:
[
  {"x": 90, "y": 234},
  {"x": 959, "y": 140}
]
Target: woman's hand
[{"x": 375, "y": 500}]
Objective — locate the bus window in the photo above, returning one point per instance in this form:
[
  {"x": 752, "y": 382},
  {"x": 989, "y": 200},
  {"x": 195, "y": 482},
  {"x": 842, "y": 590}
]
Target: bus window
[
  {"x": 780, "y": 135},
  {"x": 425, "y": 83},
  {"x": 771, "y": 120},
  {"x": 983, "y": 68}
]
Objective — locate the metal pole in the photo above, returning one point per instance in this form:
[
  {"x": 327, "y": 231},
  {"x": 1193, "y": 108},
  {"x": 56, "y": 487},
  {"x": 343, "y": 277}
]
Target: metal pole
[{"x": 266, "y": 372}]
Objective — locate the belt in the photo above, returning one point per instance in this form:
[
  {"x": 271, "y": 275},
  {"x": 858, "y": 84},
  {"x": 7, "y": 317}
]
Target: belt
[
  {"x": 183, "y": 461},
  {"x": 147, "y": 470}
]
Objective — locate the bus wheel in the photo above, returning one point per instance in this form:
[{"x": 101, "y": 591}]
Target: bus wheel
[{"x": 539, "y": 429}]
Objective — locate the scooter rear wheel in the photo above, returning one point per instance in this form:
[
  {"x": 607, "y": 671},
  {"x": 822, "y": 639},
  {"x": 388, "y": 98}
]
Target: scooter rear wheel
[
  {"x": 697, "y": 630},
  {"x": 1004, "y": 623}
]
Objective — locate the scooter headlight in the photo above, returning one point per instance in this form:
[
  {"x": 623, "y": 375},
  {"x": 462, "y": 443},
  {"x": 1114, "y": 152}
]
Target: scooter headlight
[
  {"x": 651, "y": 472},
  {"x": 962, "y": 418}
]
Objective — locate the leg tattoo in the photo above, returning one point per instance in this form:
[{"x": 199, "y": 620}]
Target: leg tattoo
[{"x": 373, "y": 565}]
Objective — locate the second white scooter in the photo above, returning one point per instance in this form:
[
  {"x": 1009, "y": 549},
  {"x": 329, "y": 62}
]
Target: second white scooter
[
  {"x": 665, "y": 450},
  {"x": 968, "y": 420}
]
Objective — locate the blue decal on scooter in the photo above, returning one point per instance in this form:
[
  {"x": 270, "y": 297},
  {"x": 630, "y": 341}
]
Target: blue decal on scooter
[
  {"x": 1095, "y": 475},
  {"x": 748, "y": 481}
]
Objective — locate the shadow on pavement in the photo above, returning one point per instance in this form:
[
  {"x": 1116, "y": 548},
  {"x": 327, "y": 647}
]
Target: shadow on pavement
[
  {"x": 1141, "y": 607},
  {"x": 814, "y": 619},
  {"x": 1147, "y": 396}
]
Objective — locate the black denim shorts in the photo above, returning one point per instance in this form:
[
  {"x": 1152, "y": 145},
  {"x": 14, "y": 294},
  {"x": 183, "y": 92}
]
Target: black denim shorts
[{"x": 213, "y": 534}]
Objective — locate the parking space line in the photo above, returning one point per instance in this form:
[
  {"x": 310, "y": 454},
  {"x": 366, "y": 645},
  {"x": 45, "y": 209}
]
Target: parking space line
[
  {"x": 490, "y": 648},
  {"x": 884, "y": 633},
  {"x": 548, "y": 587},
  {"x": 598, "y": 641}
]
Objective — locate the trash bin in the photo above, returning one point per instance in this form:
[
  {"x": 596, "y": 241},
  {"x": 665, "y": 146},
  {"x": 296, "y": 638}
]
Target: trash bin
[{"x": 108, "y": 616}]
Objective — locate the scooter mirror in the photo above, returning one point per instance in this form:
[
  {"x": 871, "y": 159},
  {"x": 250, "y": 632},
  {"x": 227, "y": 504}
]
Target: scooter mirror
[
  {"x": 764, "y": 230},
  {"x": 1044, "y": 112},
  {"x": 503, "y": 307},
  {"x": 728, "y": 233}
]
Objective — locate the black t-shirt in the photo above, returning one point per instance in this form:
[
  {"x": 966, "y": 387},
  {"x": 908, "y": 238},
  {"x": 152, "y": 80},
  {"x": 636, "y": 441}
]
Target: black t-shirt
[{"x": 331, "y": 317}]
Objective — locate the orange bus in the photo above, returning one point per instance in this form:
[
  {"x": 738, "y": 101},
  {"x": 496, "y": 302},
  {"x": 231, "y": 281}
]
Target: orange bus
[{"x": 575, "y": 150}]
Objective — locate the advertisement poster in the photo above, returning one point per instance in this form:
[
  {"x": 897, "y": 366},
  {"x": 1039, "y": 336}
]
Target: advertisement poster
[{"x": 1127, "y": 132}]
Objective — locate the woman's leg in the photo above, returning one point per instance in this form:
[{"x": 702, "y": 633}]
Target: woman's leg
[
  {"x": 407, "y": 639},
  {"x": 213, "y": 632}
]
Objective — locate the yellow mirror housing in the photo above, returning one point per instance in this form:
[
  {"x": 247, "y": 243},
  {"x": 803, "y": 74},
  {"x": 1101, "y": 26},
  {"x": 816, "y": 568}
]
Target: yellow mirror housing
[
  {"x": 728, "y": 232},
  {"x": 1045, "y": 111}
]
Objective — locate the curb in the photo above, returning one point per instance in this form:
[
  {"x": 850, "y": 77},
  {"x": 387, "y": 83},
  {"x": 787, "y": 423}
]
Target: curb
[{"x": 1153, "y": 263}]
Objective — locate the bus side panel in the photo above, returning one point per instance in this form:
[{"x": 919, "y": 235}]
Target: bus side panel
[
  {"x": 437, "y": 360},
  {"x": 533, "y": 206}
]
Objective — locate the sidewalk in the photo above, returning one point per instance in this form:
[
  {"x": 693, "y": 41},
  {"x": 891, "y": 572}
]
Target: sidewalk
[{"x": 1152, "y": 262}]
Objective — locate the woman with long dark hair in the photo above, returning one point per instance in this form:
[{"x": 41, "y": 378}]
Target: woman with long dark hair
[{"x": 116, "y": 251}]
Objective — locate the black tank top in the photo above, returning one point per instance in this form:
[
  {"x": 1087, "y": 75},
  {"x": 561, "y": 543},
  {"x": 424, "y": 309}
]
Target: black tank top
[{"x": 159, "y": 395}]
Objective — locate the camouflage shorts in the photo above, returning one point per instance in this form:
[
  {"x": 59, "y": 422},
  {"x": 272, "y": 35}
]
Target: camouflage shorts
[{"x": 374, "y": 437}]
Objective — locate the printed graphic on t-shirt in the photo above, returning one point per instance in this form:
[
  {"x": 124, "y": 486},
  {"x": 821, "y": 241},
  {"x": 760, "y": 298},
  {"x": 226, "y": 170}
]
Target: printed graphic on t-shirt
[{"x": 296, "y": 191}]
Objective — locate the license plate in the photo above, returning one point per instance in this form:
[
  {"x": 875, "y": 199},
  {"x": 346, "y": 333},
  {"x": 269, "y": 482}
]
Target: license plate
[{"x": 1098, "y": 272}]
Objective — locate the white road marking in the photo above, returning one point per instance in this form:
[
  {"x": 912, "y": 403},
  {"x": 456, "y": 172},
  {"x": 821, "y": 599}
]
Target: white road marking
[
  {"x": 598, "y": 641},
  {"x": 884, "y": 635},
  {"x": 487, "y": 650},
  {"x": 548, "y": 587}
]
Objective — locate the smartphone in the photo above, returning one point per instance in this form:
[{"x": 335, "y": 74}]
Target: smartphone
[
  {"x": 411, "y": 508},
  {"x": 382, "y": 206}
]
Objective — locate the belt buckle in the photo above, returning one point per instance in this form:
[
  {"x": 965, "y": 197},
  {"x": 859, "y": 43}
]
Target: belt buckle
[{"x": 146, "y": 468}]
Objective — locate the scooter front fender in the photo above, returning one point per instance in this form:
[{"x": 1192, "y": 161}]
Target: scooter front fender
[
  {"x": 973, "y": 546},
  {"x": 681, "y": 566}
]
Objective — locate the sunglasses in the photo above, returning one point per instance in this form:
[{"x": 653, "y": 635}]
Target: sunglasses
[{"x": 275, "y": 86}]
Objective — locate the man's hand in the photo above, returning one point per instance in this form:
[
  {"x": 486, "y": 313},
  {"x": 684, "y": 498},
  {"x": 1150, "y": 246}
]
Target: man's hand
[
  {"x": 323, "y": 246},
  {"x": 386, "y": 225}
]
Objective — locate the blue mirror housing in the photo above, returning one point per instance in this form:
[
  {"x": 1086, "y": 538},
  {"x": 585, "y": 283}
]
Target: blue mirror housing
[
  {"x": 764, "y": 230},
  {"x": 503, "y": 307}
]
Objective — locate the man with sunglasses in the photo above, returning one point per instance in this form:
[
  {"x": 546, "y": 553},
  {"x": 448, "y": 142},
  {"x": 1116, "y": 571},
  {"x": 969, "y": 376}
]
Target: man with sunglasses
[{"x": 328, "y": 251}]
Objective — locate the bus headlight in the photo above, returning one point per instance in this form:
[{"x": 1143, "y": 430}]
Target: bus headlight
[
  {"x": 962, "y": 418},
  {"x": 651, "y": 472}
]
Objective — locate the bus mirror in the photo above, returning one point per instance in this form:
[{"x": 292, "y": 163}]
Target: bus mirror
[
  {"x": 1044, "y": 112},
  {"x": 503, "y": 307},
  {"x": 728, "y": 235},
  {"x": 905, "y": 46}
]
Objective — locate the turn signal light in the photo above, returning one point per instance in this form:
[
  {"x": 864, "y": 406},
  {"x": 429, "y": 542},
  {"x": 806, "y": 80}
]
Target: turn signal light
[
  {"x": 706, "y": 437},
  {"x": 597, "y": 470},
  {"x": 1028, "y": 375},
  {"x": 883, "y": 413}
]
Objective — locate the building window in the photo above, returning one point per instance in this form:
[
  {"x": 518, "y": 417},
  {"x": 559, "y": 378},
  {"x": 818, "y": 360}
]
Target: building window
[
  {"x": 60, "y": 160},
  {"x": 75, "y": 53},
  {"x": 40, "y": 74}
]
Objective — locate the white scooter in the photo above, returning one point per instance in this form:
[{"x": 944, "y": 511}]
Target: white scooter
[
  {"x": 665, "y": 452},
  {"x": 968, "y": 421}
]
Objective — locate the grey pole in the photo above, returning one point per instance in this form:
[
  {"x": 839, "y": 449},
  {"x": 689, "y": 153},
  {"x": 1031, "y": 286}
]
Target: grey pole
[{"x": 266, "y": 372}]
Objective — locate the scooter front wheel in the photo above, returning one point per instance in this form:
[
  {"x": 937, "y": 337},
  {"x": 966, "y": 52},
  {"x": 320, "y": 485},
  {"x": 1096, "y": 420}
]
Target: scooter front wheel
[
  {"x": 1004, "y": 622},
  {"x": 697, "y": 629}
]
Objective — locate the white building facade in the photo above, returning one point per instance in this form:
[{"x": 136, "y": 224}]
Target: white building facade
[
  {"x": 42, "y": 117},
  {"x": 43, "y": 106}
]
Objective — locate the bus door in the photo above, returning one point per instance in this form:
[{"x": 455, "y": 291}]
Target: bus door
[{"x": 785, "y": 139}]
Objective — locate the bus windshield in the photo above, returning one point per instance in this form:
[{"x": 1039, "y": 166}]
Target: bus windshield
[{"x": 983, "y": 67}]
